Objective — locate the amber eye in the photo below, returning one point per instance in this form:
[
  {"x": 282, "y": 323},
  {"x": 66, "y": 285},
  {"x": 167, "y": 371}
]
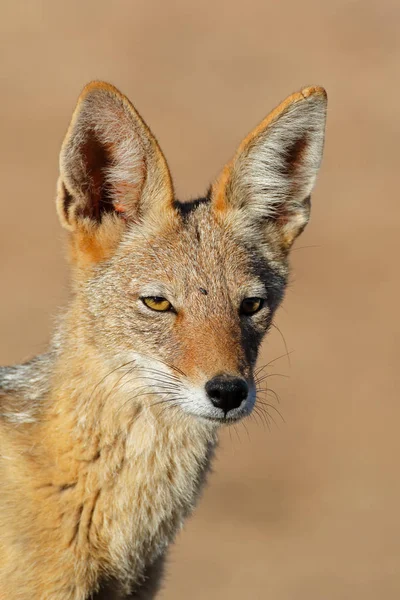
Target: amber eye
[
  {"x": 157, "y": 303},
  {"x": 250, "y": 306}
]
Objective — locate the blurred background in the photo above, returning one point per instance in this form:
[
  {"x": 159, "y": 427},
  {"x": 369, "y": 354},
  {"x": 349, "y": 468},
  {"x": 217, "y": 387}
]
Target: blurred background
[{"x": 308, "y": 510}]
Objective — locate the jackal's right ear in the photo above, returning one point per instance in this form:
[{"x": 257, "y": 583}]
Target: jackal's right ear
[
  {"x": 112, "y": 170},
  {"x": 269, "y": 181}
]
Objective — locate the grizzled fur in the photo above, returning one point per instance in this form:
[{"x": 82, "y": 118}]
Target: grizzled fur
[{"x": 106, "y": 440}]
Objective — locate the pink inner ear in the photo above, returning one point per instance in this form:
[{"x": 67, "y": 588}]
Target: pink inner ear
[
  {"x": 107, "y": 192},
  {"x": 295, "y": 154},
  {"x": 96, "y": 158},
  {"x": 119, "y": 207}
]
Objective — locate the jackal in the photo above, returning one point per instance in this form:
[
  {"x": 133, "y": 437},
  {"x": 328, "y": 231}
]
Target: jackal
[{"x": 105, "y": 440}]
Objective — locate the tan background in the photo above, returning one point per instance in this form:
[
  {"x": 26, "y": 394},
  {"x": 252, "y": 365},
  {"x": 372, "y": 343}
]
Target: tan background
[{"x": 309, "y": 510}]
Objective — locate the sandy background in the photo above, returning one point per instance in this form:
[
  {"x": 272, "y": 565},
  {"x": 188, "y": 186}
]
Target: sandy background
[{"x": 309, "y": 510}]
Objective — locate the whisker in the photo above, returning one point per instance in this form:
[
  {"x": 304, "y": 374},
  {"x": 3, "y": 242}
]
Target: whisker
[
  {"x": 161, "y": 373},
  {"x": 108, "y": 375},
  {"x": 257, "y": 371},
  {"x": 263, "y": 416},
  {"x": 268, "y": 391},
  {"x": 163, "y": 381},
  {"x": 117, "y": 385},
  {"x": 265, "y": 404},
  {"x": 150, "y": 392},
  {"x": 173, "y": 367},
  {"x": 260, "y": 379},
  {"x": 237, "y": 433},
  {"x": 267, "y": 415},
  {"x": 246, "y": 429},
  {"x": 284, "y": 342},
  {"x": 304, "y": 247}
]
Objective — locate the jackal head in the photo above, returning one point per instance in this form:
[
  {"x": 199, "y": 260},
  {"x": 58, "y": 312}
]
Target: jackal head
[{"x": 184, "y": 292}]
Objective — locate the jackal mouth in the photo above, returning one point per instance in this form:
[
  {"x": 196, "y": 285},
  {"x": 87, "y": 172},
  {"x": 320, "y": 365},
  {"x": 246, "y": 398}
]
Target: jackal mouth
[
  {"x": 224, "y": 408},
  {"x": 227, "y": 419}
]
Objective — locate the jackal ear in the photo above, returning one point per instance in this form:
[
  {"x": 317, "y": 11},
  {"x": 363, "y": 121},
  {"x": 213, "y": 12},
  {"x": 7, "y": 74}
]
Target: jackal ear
[
  {"x": 273, "y": 172},
  {"x": 111, "y": 167}
]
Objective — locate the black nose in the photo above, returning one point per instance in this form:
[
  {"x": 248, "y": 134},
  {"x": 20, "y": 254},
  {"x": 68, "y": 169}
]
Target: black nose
[{"x": 227, "y": 392}]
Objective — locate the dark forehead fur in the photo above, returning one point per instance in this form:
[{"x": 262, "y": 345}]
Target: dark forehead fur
[
  {"x": 186, "y": 209},
  {"x": 274, "y": 280}
]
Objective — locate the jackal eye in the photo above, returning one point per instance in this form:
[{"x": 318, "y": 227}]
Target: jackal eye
[
  {"x": 250, "y": 306},
  {"x": 157, "y": 303}
]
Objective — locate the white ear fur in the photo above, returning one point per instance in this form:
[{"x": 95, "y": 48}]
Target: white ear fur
[
  {"x": 275, "y": 168},
  {"x": 109, "y": 162}
]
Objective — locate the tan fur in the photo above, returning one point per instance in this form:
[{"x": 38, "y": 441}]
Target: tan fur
[
  {"x": 106, "y": 440},
  {"x": 90, "y": 470}
]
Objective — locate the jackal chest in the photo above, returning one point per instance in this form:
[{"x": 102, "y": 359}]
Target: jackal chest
[{"x": 128, "y": 511}]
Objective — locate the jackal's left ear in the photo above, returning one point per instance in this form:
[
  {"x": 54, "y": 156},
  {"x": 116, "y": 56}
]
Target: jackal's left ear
[
  {"x": 272, "y": 174},
  {"x": 111, "y": 168}
]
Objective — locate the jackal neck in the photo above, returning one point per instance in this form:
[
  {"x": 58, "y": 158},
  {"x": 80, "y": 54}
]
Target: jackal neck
[{"x": 111, "y": 479}]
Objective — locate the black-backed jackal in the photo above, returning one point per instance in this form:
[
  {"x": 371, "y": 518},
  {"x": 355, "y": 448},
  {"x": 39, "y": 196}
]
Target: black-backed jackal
[{"x": 105, "y": 440}]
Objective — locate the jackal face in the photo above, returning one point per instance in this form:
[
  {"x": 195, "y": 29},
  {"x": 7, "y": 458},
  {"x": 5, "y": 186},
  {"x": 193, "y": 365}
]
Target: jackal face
[{"x": 183, "y": 293}]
